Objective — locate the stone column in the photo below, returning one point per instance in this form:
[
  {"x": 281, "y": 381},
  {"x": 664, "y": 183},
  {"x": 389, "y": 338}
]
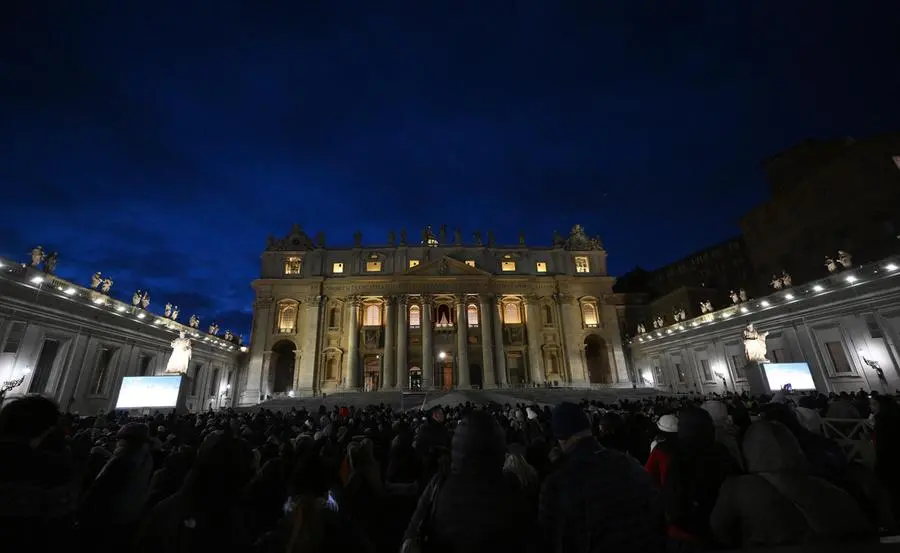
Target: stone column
[
  {"x": 489, "y": 380},
  {"x": 573, "y": 346},
  {"x": 266, "y": 385},
  {"x": 402, "y": 343},
  {"x": 533, "y": 326},
  {"x": 306, "y": 368},
  {"x": 499, "y": 353},
  {"x": 462, "y": 344},
  {"x": 353, "y": 346},
  {"x": 388, "y": 370},
  {"x": 427, "y": 346},
  {"x": 261, "y": 331}
]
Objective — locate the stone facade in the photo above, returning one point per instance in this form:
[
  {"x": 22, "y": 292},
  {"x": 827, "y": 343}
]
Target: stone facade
[
  {"x": 75, "y": 344},
  {"x": 845, "y": 326},
  {"x": 432, "y": 313}
]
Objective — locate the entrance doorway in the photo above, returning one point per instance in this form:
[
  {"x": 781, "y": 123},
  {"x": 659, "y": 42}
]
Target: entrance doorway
[
  {"x": 516, "y": 368},
  {"x": 597, "y": 359},
  {"x": 372, "y": 366},
  {"x": 283, "y": 363},
  {"x": 447, "y": 375},
  {"x": 415, "y": 378},
  {"x": 475, "y": 376}
]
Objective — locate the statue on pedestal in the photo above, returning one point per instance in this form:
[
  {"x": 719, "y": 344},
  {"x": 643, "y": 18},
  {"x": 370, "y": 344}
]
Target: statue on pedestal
[
  {"x": 845, "y": 259},
  {"x": 214, "y": 329},
  {"x": 742, "y": 294},
  {"x": 755, "y": 344},
  {"x": 106, "y": 285},
  {"x": 443, "y": 236},
  {"x": 476, "y": 238},
  {"x": 391, "y": 238},
  {"x": 735, "y": 298},
  {"x": 660, "y": 322},
  {"x": 37, "y": 256},
  {"x": 228, "y": 335},
  {"x": 402, "y": 237},
  {"x": 96, "y": 279},
  {"x": 181, "y": 355},
  {"x": 175, "y": 312},
  {"x": 50, "y": 263},
  {"x": 558, "y": 240},
  {"x": 168, "y": 311},
  {"x": 490, "y": 237},
  {"x": 145, "y": 300},
  {"x": 457, "y": 237},
  {"x": 194, "y": 321},
  {"x": 786, "y": 279},
  {"x": 706, "y": 306},
  {"x": 521, "y": 238},
  {"x": 641, "y": 329},
  {"x": 320, "y": 239},
  {"x": 240, "y": 339},
  {"x": 777, "y": 282},
  {"x": 357, "y": 239},
  {"x": 830, "y": 264},
  {"x": 136, "y": 298}
]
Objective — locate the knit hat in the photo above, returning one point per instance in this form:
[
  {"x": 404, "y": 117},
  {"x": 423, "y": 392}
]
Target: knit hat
[
  {"x": 568, "y": 419},
  {"x": 530, "y": 413},
  {"x": 716, "y": 409},
  {"x": 668, "y": 423}
]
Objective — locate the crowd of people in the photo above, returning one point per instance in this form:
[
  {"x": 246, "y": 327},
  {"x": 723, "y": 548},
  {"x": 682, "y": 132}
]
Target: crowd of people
[{"x": 661, "y": 474}]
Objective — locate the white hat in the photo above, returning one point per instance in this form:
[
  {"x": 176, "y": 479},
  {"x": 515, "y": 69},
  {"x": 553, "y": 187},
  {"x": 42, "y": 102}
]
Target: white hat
[{"x": 668, "y": 423}]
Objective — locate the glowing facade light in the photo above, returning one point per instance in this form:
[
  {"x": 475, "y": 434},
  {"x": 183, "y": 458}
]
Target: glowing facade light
[
  {"x": 818, "y": 288},
  {"x": 69, "y": 291},
  {"x": 141, "y": 315},
  {"x": 668, "y": 331},
  {"x": 744, "y": 310},
  {"x": 120, "y": 308},
  {"x": 37, "y": 280},
  {"x": 789, "y": 296},
  {"x": 764, "y": 303},
  {"x": 888, "y": 267},
  {"x": 99, "y": 301},
  {"x": 851, "y": 279}
]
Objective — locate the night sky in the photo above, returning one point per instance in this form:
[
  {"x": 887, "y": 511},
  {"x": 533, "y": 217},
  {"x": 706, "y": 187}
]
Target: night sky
[{"x": 161, "y": 145}]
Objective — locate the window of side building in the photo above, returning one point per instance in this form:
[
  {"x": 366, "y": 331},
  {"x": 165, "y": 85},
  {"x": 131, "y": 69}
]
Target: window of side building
[
  {"x": 470, "y": 262},
  {"x": 507, "y": 266},
  {"x": 337, "y": 268},
  {"x": 413, "y": 263},
  {"x": 373, "y": 266},
  {"x": 582, "y": 265},
  {"x": 541, "y": 267},
  {"x": 292, "y": 266}
]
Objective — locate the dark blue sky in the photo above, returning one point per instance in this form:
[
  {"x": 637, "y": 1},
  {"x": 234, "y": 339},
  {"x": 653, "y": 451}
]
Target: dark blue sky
[{"x": 162, "y": 144}]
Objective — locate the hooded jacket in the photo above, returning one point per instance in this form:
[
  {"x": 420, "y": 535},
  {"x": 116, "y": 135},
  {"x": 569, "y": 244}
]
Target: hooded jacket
[{"x": 778, "y": 502}]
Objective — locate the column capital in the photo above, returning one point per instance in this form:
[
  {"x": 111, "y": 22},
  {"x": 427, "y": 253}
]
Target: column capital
[
  {"x": 403, "y": 300},
  {"x": 314, "y": 301},
  {"x": 354, "y": 301},
  {"x": 459, "y": 299},
  {"x": 498, "y": 299},
  {"x": 564, "y": 298},
  {"x": 531, "y": 298},
  {"x": 426, "y": 300},
  {"x": 485, "y": 299},
  {"x": 389, "y": 300}
]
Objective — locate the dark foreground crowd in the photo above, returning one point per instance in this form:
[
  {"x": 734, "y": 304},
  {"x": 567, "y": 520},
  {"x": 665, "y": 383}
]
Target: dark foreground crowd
[{"x": 659, "y": 475}]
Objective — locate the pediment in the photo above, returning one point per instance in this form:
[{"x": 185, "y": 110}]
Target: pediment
[{"x": 445, "y": 266}]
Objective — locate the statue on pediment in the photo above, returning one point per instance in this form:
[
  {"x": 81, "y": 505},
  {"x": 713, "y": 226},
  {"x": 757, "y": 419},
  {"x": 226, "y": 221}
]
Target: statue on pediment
[
  {"x": 136, "y": 298},
  {"x": 96, "y": 279},
  {"x": 168, "y": 311},
  {"x": 50, "y": 263},
  {"x": 443, "y": 266},
  {"x": 786, "y": 279},
  {"x": 845, "y": 259},
  {"x": 228, "y": 335},
  {"x": 735, "y": 298},
  {"x": 391, "y": 238},
  {"x": 106, "y": 285},
  {"x": 743, "y": 294},
  {"x": 476, "y": 238},
  {"x": 443, "y": 234},
  {"x": 579, "y": 241},
  {"x": 145, "y": 300},
  {"x": 776, "y": 283},
  {"x": 558, "y": 240},
  {"x": 403, "y": 237},
  {"x": 490, "y": 237},
  {"x": 296, "y": 240},
  {"x": 213, "y": 329},
  {"x": 37, "y": 256},
  {"x": 521, "y": 238},
  {"x": 357, "y": 239},
  {"x": 457, "y": 237},
  {"x": 194, "y": 321},
  {"x": 830, "y": 264},
  {"x": 175, "y": 313},
  {"x": 428, "y": 237},
  {"x": 320, "y": 239}
]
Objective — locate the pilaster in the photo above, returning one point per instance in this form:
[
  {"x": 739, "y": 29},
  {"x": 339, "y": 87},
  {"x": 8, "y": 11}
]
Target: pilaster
[
  {"x": 262, "y": 327},
  {"x": 533, "y": 331},
  {"x": 353, "y": 345},
  {"x": 499, "y": 352},
  {"x": 462, "y": 344},
  {"x": 388, "y": 365},
  {"x": 402, "y": 370},
  {"x": 574, "y": 344},
  {"x": 306, "y": 364}
]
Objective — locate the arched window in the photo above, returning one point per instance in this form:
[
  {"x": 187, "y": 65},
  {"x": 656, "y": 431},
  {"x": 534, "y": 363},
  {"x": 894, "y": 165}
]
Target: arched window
[
  {"x": 444, "y": 319},
  {"x": 373, "y": 315},
  {"x": 333, "y": 317},
  {"x": 548, "y": 315},
  {"x": 415, "y": 316},
  {"x": 589, "y": 313},
  {"x": 287, "y": 317},
  {"x": 511, "y": 313},
  {"x": 472, "y": 315}
]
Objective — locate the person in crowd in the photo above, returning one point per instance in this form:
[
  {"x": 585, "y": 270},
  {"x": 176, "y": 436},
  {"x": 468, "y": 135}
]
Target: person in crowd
[
  {"x": 886, "y": 437},
  {"x": 661, "y": 449},
  {"x": 525, "y": 475},
  {"x": 778, "y": 502},
  {"x": 432, "y": 444},
  {"x": 473, "y": 509},
  {"x": 597, "y": 499},
  {"x": 726, "y": 431},
  {"x": 38, "y": 488}
]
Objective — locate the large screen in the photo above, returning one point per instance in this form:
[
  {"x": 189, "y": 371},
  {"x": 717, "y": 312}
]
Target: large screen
[
  {"x": 796, "y": 375},
  {"x": 148, "y": 391}
]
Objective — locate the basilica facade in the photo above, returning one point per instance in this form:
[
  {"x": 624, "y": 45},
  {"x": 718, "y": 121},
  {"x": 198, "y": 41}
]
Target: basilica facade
[{"x": 432, "y": 313}]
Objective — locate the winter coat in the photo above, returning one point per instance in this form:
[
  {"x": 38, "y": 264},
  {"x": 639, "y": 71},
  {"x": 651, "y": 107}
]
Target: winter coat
[{"x": 778, "y": 502}]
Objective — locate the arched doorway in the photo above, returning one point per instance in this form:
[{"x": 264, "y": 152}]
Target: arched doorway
[
  {"x": 415, "y": 378},
  {"x": 597, "y": 359},
  {"x": 475, "y": 376},
  {"x": 282, "y": 366}
]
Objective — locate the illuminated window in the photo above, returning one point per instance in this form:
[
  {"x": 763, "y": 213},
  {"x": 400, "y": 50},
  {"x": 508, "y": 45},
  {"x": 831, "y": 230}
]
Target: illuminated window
[
  {"x": 413, "y": 263},
  {"x": 507, "y": 266},
  {"x": 581, "y": 264},
  {"x": 589, "y": 312},
  {"x": 337, "y": 268},
  {"x": 373, "y": 315},
  {"x": 292, "y": 265},
  {"x": 373, "y": 266},
  {"x": 470, "y": 262},
  {"x": 287, "y": 317},
  {"x": 472, "y": 314},
  {"x": 541, "y": 267},
  {"x": 511, "y": 313},
  {"x": 415, "y": 316}
]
